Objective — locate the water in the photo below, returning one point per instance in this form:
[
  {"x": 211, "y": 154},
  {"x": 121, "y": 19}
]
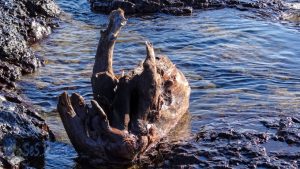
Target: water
[{"x": 242, "y": 68}]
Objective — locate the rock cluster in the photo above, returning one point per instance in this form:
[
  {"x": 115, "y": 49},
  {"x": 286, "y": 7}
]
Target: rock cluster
[
  {"x": 286, "y": 129},
  {"x": 22, "y": 22},
  {"x": 179, "y": 7},
  {"x": 22, "y": 130},
  {"x": 229, "y": 148}
]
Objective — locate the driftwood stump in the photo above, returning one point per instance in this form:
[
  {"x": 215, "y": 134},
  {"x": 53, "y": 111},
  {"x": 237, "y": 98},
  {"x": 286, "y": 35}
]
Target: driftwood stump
[{"x": 129, "y": 113}]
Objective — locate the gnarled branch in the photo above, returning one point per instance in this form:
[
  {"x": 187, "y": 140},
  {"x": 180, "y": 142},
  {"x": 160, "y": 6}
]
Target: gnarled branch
[{"x": 129, "y": 113}]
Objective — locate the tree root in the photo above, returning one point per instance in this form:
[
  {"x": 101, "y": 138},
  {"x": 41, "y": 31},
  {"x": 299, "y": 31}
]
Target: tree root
[{"x": 129, "y": 113}]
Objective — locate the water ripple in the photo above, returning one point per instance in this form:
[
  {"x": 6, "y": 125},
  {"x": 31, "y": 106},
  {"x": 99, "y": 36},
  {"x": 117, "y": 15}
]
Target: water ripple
[{"x": 241, "y": 70}]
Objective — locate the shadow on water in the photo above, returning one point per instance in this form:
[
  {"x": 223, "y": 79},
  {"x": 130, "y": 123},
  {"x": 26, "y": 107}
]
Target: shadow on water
[{"x": 241, "y": 70}]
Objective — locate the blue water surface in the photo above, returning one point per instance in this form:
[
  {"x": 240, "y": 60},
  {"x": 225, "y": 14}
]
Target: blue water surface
[{"x": 242, "y": 68}]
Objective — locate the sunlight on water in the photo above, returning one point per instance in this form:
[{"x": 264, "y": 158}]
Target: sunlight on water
[{"x": 240, "y": 70}]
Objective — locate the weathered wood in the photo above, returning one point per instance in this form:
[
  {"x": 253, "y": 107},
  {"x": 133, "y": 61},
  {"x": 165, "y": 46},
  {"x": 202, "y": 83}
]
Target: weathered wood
[
  {"x": 131, "y": 112},
  {"x": 103, "y": 60}
]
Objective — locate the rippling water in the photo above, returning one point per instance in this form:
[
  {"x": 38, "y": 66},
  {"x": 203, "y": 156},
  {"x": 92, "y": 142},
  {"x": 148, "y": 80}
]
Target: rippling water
[{"x": 241, "y": 69}]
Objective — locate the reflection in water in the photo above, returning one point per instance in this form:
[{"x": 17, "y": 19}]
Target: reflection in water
[{"x": 241, "y": 70}]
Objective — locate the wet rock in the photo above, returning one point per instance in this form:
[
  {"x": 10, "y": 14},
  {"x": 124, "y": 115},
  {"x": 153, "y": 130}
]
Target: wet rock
[
  {"x": 38, "y": 31},
  {"x": 185, "y": 7},
  {"x": 12, "y": 97},
  {"x": 22, "y": 131},
  {"x": 146, "y": 6},
  {"x": 222, "y": 148},
  {"x": 22, "y": 22},
  {"x": 287, "y": 129},
  {"x": 8, "y": 75},
  {"x": 46, "y": 8},
  {"x": 173, "y": 3},
  {"x": 107, "y": 6},
  {"x": 129, "y": 6},
  {"x": 178, "y": 10}
]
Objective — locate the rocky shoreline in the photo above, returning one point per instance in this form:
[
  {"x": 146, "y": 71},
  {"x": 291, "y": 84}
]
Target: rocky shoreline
[
  {"x": 284, "y": 10},
  {"x": 230, "y": 148},
  {"x": 22, "y": 130},
  {"x": 22, "y": 23},
  {"x": 180, "y": 7}
]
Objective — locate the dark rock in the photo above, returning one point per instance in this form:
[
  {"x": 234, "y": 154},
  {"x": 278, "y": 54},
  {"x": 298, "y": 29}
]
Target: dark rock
[
  {"x": 103, "y": 6},
  {"x": 147, "y": 6},
  {"x": 22, "y": 130},
  {"x": 8, "y": 75},
  {"x": 11, "y": 97},
  {"x": 173, "y": 3},
  {"x": 46, "y": 8},
  {"x": 287, "y": 130},
  {"x": 227, "y": 149},
  {"x": 22, "y": 21},
  {"x": 178, "y": 10},
  {"x": 185, "y": 7},
  {"x": 207, "y": 4},
  {"x": 129, "y": 7}
]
